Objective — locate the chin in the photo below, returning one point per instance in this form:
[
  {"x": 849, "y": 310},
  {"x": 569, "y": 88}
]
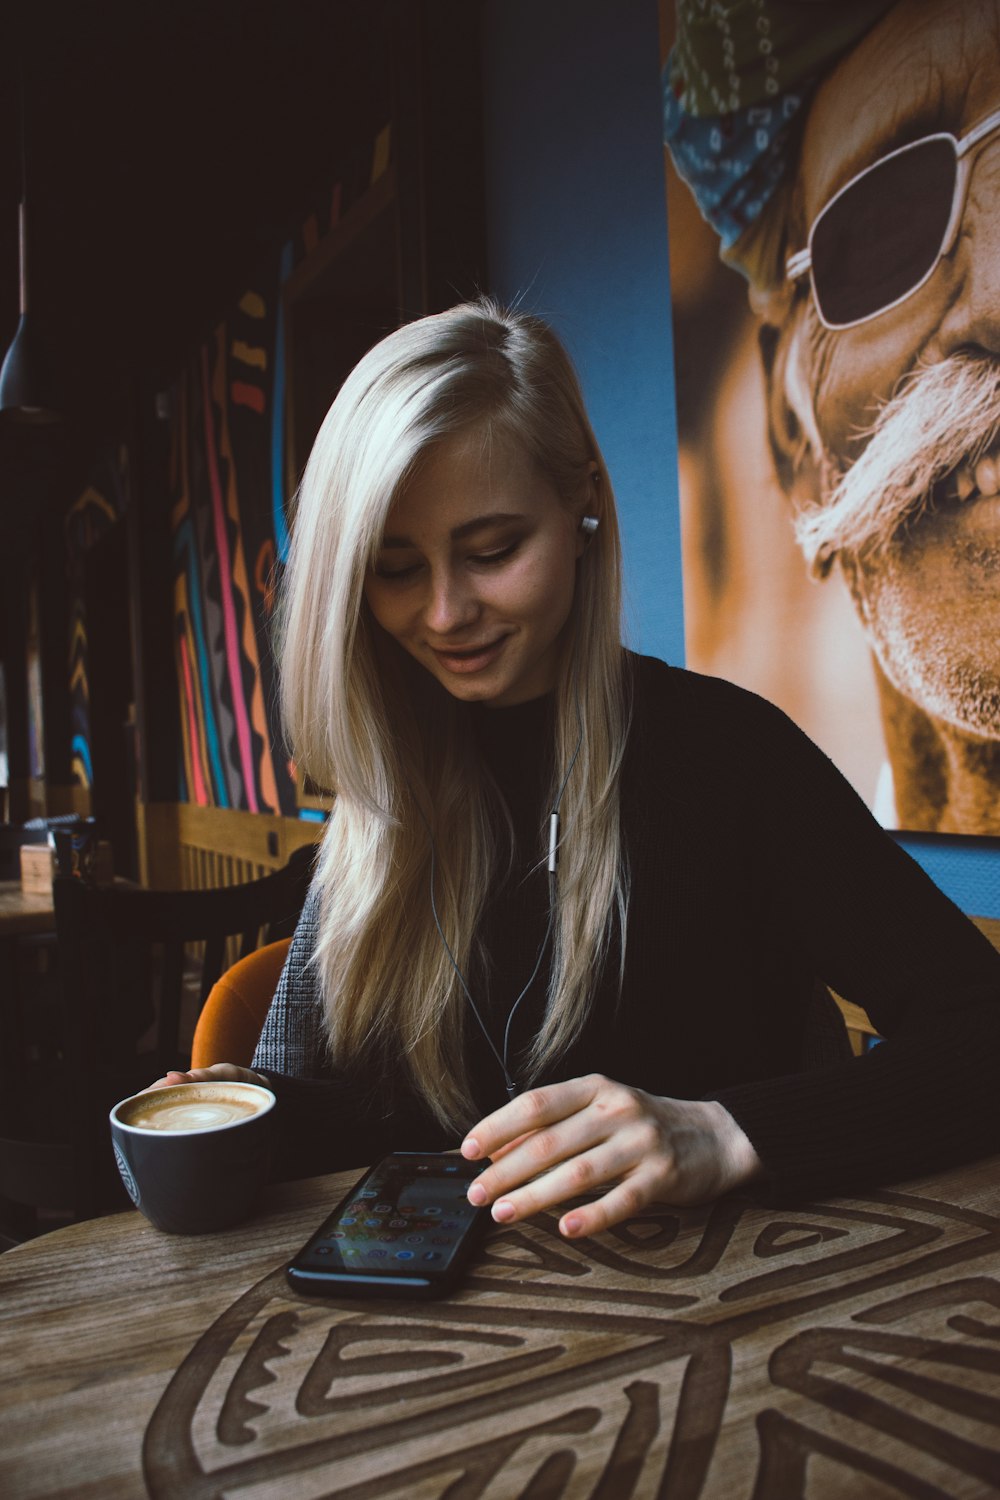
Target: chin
[{"x": 930, "y": 606}]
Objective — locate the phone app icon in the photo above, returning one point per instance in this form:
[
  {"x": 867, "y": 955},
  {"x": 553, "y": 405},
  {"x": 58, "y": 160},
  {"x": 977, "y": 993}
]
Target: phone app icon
[
  {"x": 383, "y": 1208},
  {"x": 373, "y": 1223},
  {"x": 414, "y": 1239},
  {"x": 404, "y": 1254},
  {"x": 440, "y": 1239},
  {"x": 368, "y": 1193},
  {"x": 432, "y": 1213},
  {"x": 347, "y": 1220},
  {"x": 397, "y": 1223},
  {"x": 431, "y": 1255}
]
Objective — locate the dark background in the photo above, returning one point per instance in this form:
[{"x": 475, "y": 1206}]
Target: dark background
[{"x": 167, "y": 147}]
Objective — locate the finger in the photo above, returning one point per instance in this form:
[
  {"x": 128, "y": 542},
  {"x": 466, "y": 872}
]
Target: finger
[
  {"x": 624, "y": 1201},
  {"x": 225, "y": 1073},
  {"x": 529, "y": 1156},
  {"x": 503, "y": 1151},
  {"x": 168, "y": 1080},
  {"x": 584, "y": 1172},
  {"x": 215, "y": 1073},
  {"x": 526, "y": 1114}
]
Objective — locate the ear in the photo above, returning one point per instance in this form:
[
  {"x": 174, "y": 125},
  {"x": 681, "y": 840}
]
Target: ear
[{"x": 589, "y": 509}]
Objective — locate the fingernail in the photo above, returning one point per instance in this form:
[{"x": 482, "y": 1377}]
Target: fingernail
[
  {"x": 571, "y": 1224},
  {"x": 477, "y": 1195},
  {"x": 503, "y": 1211},
  {"x": 470, "y": 1148}
]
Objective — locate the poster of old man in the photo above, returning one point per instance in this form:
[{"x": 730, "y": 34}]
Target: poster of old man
[{"x": 834, "y": 202}]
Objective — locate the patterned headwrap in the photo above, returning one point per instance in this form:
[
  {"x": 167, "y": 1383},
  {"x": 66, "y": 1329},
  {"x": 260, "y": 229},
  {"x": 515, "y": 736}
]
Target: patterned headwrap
[{"x": 738, "y": 76}]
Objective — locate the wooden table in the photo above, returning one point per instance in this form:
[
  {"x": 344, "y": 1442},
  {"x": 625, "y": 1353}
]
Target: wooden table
[
  {"x": 846, "y": 1348},
  {"x": 21, "y": 913}
]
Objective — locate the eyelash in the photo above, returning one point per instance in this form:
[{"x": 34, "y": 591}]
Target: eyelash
[{"x": 484, "y": 559}]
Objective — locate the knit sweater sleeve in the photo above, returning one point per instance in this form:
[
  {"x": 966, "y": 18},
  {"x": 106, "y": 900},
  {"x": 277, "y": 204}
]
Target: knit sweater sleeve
[
  {"x": 877, "y": 930},
  {"x": 327, "y": 1120},
  {"x": 291, "y": 1040}
]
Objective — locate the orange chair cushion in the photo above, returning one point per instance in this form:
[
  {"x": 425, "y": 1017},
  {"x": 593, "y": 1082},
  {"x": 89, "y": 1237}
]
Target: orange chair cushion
[{"x": 233, "y": 1015}]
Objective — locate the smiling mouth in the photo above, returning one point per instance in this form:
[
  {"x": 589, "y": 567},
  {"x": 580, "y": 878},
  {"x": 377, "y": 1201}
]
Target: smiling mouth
[
  {"x": 971, "y": 481},
  {"x": 469, "y": 658}
]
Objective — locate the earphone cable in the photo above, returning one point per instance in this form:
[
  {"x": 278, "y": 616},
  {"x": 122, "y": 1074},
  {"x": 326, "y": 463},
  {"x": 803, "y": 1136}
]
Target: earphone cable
[
  {"x": 552, "y": 861},
  {"x": 501, "y": 1057},
  {"x": 509, "y": 1083}
]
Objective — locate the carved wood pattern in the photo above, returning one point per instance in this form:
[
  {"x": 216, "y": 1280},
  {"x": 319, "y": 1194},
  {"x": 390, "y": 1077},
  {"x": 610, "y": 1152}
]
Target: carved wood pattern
[{"x": 738, "y": 1351}]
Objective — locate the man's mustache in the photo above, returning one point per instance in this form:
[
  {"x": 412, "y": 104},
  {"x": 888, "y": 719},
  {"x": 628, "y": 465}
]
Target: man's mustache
[{"x": 942, "y": 415}]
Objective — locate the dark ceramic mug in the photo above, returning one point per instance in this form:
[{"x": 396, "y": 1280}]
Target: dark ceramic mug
[{"x": 194, "y": 1156}]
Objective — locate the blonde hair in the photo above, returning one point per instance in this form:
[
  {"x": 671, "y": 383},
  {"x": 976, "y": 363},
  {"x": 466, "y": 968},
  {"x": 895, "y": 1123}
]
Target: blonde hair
[{"x": 397, "y": 751}]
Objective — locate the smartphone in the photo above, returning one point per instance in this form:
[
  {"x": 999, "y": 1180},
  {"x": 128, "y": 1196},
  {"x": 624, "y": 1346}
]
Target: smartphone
[{"x": 406, "y": 1229}]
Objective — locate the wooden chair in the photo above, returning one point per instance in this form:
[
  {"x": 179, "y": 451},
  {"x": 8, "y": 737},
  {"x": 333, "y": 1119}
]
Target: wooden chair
[
  {"x": 124, "y": 961},
  {"x": 860, "y": 1031},
  {"x": 231, "y": 1018}
]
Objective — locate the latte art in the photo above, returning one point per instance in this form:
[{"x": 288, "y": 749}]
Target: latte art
[{"x": 190, "y": 1107}]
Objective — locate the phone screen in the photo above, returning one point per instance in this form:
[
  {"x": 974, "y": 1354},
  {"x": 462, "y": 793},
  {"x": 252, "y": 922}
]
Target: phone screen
[{"x": 407, "y": 1220}]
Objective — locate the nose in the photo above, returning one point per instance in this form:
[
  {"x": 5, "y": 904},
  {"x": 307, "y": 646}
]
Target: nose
[
  {"x": 971, "y": 323},
  {"x": 451, "y": 602}
]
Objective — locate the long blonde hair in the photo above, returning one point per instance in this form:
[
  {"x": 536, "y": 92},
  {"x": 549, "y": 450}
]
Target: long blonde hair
[{"x": 397, "y": 751}]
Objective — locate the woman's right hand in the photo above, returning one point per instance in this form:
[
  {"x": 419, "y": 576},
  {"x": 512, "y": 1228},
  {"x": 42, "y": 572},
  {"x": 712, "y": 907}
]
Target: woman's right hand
[{"x": 217, "y": 1073}]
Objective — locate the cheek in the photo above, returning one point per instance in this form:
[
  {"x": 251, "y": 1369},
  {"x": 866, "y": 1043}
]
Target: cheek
[
  {"x": 853, "y": 373},
  {"x": 548, "y": 585},
  {"x": 384, "y": 609}
]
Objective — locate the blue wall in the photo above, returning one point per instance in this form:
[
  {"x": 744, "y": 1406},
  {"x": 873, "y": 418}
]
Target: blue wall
[{"x": 578, "y": 233}]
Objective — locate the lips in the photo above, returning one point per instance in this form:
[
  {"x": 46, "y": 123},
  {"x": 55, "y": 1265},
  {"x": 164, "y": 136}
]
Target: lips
[{"x": 467, "y": 659}]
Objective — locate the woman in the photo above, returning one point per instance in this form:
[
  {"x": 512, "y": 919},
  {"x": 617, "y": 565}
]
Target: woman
[{"x": 643, "y": 1022}]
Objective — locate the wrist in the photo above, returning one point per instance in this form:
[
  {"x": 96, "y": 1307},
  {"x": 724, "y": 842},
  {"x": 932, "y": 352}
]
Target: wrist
[{"x": 738, "y": 1156}]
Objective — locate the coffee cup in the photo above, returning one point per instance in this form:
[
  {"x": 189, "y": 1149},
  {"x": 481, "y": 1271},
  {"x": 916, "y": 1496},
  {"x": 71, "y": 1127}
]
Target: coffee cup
[{"x": 194, "y": 1155}]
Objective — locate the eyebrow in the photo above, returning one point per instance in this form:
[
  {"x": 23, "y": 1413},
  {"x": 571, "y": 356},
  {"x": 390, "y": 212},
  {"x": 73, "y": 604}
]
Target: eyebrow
[{"x": 457, "y": 533}]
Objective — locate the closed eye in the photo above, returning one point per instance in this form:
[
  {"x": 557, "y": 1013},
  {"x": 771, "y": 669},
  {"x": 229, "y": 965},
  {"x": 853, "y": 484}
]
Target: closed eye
[
  {"x": 489, "y": 559},
  {"x": 390, "y": 575},
  {"x": 477, "y": 559}
]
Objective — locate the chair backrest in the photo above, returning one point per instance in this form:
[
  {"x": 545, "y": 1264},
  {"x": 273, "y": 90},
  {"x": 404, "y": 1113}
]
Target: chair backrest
[
  {"x": 124, "y": 956},
  {"x": 231, "y": 1018}
]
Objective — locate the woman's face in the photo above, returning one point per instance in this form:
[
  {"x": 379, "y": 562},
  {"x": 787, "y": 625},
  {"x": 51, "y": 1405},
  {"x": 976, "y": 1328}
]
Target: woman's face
[{"x": 477, "y": 570}]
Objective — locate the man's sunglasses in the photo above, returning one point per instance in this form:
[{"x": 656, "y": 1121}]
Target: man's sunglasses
[{"x": 879, "y": 238}]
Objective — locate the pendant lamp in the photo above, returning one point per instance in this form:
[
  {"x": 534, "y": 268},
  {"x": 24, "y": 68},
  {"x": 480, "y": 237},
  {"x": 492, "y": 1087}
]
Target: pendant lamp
[{"x": 25, "y": 382}]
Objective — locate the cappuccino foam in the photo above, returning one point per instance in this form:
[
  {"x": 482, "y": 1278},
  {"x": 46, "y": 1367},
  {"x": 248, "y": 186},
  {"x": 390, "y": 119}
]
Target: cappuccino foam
[{"x": 192, "y": 1107}]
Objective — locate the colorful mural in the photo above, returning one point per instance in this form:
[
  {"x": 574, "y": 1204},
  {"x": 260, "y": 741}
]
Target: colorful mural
[
  {"x": 222, "y": 587},
  {"x": 100, "y": 505},
  {"x": 230, "y": 485}
]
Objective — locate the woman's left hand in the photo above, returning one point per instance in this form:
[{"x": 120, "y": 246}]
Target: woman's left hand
[{"x": 592, "y": 1131}]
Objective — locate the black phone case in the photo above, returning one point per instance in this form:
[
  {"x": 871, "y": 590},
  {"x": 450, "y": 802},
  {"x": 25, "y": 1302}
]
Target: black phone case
[{"x": 397, "y": 1284}]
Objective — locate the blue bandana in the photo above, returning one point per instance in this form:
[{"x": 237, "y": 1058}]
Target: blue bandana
[{"x": 733, "y": 87}]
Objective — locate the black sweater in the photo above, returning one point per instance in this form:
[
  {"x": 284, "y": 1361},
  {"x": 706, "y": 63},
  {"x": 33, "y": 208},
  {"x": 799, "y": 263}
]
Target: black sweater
[{"x": 755, "y": 871}]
